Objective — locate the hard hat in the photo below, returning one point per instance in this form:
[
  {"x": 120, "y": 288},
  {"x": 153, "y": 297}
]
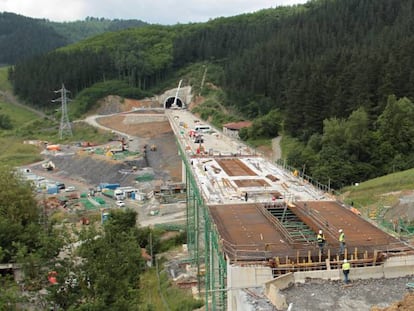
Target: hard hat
[
  {"x": 340, "y": 230},
  {"x": 320, "y": 231},
  {"x": 345, "y": 260}
]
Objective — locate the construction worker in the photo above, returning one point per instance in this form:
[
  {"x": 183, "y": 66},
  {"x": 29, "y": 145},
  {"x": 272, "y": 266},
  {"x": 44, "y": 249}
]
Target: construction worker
[
  {"x": 320, "y": 239},
  {"x": 346, "y": 266},
  {"x": 341, "y": 241}
]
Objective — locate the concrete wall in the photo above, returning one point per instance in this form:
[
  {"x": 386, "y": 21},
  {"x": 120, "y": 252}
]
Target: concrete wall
[
  {"x": 231, "y": 133},
  {"x": 240, "y": 301},
  {"x": 393, "y": 267},
  {"x": 300, "y": 277},
  {"x": 399, "y": 266},
  {"x": 244, "y": 277},
  {"x": 273, "y": 288}
]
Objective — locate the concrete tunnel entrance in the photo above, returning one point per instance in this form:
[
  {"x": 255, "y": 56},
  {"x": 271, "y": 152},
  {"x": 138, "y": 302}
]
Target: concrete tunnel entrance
[{"x": 170, "y": 101}]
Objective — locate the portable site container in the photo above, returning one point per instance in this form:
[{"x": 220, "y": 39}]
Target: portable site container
[
  {"x": 52, "y": 189},
  {"x": 109, "y": 186}
]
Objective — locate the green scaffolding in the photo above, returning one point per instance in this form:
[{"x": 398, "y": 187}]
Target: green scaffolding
[
  {"x": 216, "y": 269},
  {"x": 203, "y": 244}
]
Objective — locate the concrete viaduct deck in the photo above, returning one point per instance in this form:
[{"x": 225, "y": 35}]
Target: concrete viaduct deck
[{"x": 249, "y": 234}]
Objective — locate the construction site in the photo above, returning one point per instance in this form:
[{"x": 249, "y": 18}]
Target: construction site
[{"x": 253, "y": 224}]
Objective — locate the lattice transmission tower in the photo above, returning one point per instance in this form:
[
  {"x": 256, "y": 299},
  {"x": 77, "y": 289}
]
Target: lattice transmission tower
[{"x": 65, "y": 128}]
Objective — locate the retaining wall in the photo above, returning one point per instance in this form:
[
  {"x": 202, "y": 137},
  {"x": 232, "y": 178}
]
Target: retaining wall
[{"x": 244, "y": 277}]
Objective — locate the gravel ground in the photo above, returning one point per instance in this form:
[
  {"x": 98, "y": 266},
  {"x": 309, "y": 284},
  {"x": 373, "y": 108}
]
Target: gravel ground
[
  {"x": 74, "y": 167},
  {"x": 91, "y": 170},
  {"x": 359, "y": 295}
]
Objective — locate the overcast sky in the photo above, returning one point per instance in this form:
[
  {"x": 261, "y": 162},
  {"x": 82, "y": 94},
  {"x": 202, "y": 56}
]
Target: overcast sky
[{"x": 152, "y": 11}]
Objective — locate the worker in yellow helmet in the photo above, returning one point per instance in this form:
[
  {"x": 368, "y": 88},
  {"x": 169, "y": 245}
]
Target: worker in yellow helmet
[
  {"x": 346, "y": 266},
  {"x": 320, "y": 239}
]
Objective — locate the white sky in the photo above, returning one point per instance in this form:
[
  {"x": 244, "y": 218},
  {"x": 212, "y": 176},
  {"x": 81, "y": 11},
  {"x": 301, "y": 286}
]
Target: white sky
[{"x": 152, "y": 11}]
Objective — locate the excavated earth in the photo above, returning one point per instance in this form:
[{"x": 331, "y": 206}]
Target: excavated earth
[{"x": 86, "y": 170}]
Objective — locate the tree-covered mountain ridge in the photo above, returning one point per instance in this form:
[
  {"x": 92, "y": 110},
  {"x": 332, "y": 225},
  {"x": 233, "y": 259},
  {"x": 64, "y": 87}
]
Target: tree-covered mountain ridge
[
  {"x": 335, "y": 75},
  {"x": 23, "y": 37}
]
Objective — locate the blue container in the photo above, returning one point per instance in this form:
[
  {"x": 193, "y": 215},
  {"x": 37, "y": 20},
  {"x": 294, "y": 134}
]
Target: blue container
[
  {"x": 109, "y": 186},
  {"x": 52, "y": 190},
  {"x": 133, "y": 195}
]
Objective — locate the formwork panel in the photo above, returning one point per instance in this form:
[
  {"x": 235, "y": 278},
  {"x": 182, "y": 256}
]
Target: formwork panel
[
  {"x": 246, "y": 234},
  {"x": 331, "y": 216},
  {"x": 244, "y": 231},
  {"x": 235, "y": 167}
]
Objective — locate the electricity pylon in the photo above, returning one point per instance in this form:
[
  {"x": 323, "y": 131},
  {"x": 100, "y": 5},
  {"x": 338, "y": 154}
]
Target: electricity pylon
[{"x": 65, "y": 129}]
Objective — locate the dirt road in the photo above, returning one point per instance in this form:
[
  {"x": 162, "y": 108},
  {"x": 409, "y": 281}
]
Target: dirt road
[{"x": 10, "y": 98}]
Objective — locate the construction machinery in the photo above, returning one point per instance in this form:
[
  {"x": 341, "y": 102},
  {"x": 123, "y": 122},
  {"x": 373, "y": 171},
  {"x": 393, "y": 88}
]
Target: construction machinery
[{"x": 50, "y": 166}]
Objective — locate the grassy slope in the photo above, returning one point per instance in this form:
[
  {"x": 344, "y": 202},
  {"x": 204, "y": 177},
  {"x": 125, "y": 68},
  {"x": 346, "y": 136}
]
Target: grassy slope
[
  {"x": 4, "y": 82},
  {"x": 383, "y": 190},
  {"x": 174, "y": 298},
  {"x": 12, "y": 150},
  {"x": 28, "y": 125}
]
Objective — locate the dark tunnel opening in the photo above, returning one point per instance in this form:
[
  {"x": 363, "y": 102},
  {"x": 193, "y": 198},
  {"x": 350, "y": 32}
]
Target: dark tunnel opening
[{"x": 170, "y": 101}]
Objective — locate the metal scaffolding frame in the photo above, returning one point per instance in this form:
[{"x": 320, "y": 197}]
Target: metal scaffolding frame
[
  {"x": 204, "y": 249},
  {"x": 216, "y": 269}
]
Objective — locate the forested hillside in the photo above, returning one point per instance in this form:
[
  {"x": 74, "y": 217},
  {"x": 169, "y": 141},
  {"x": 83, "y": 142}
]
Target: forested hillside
[
  {"x": 333, "y": 74},
  {"x": 23, "y": 37},
  {"x": 91, "y": 26}
]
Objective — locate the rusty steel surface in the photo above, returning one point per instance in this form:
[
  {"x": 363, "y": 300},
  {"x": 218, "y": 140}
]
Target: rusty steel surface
[
  {"x": 246, "y": 234},
  {"x": 251, "y": 183},
  {"x": 235, "y": 167},
  {"x": 331, "y": 216},
  {"x": 242, "y": 228}
]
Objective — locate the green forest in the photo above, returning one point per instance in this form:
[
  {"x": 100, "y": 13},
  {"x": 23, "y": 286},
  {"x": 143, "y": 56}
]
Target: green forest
[
  {"x": 23, "y": 37},
  {"x": 335, "y": 76}
]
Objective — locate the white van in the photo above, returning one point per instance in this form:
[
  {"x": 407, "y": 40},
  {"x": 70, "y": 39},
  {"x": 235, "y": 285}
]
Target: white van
[{"x": 201, "y": 128}]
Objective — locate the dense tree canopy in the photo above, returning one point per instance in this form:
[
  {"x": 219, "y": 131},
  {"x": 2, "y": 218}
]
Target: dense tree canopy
[
  {"x": 107, "y": 276},
  {"x": 141, "y": 57},
  {"x": 25, "y": 236},
  {"x": 23, "y": 37}
]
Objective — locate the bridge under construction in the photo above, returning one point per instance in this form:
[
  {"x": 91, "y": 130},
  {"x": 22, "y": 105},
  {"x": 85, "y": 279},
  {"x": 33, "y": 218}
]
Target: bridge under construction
[{"x": 251, "y": 223}]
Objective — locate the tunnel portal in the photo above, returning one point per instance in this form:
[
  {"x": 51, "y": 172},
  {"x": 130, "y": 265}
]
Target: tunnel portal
[{"x": 170, "y": 101}]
